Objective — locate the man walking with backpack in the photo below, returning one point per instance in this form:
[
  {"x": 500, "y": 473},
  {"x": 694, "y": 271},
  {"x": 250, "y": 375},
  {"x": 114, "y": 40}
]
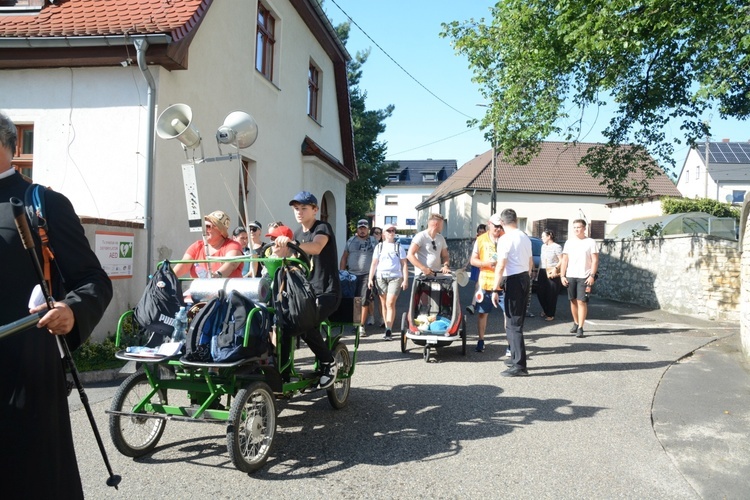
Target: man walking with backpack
[
  {"x": 357, "y": 259},
  {"x": 317, "y": 240}
]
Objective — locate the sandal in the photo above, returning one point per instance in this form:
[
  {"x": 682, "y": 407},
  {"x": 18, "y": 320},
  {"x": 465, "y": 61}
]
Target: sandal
[{"x": 549, "y": 318}]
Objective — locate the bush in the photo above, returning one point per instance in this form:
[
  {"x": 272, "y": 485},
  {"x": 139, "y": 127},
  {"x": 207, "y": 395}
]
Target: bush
[
  {"x": 707, "y": 205},
  {"x": 93, "y": 356}
]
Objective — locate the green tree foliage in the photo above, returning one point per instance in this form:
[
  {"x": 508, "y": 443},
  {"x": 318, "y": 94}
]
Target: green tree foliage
[
  {"x": 656, "y": 60},
  {"x": 369, "y": 153},
  {"x": 707, "y": 205}
]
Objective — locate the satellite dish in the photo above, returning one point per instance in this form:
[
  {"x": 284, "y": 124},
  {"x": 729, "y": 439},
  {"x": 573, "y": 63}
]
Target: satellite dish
[{"x": 729, "y": 198}]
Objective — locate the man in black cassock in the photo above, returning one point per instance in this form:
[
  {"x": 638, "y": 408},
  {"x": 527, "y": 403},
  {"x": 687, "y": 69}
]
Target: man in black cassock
[{"x": 37, "y": 457}]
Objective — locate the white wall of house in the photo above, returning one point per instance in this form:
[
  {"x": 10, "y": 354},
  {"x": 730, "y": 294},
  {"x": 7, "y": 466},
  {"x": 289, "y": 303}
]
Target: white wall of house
[
  {"x": 465, "y": 212},
  {"x": 407, "y": 197},
  {"x": 89, "y": 134},
  {"x": 723, "y": 179},
  {"x": 625, "y": 211}
]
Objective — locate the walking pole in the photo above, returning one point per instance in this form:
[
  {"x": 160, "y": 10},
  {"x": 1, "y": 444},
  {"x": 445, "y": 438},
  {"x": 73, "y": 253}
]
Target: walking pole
[{"x": 19, "y": 214}]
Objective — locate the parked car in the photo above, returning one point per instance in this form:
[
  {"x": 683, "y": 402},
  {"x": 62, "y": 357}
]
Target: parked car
[
  {"x": 405, "y": 242},
  {"x": 536, "y": 252}
]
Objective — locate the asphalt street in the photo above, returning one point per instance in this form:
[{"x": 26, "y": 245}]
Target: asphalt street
[{"x": 616, "y": 414}]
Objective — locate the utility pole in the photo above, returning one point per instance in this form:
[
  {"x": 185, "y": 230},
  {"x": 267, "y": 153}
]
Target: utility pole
[
  {"x": 493, "y": 193},
  {"x": 705, "y": 174}
]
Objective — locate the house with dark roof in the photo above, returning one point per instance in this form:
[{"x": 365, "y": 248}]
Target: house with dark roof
[
  {"x": 86, "y": 82},
  {"x": 410, "y": 182},
  {"x": 550, "y": 191},
  {"x": 722, "y": 175}
]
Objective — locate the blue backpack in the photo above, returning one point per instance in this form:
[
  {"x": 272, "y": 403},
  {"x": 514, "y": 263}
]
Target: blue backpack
[{"x": 217, "y": 332}]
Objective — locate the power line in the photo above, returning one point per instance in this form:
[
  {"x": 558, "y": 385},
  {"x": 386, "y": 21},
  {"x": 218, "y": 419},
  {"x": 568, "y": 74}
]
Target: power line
[
  {"x": 396, "y": 63},
  {"x": 433, "y": 142}
]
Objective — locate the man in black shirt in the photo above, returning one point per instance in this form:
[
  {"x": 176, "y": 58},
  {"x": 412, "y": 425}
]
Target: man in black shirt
[{"x": 317, "y": 240}]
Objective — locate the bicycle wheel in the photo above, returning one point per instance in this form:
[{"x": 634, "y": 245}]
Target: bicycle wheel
[
  {"x": 252, "y": 427},
  {"x": 338, "y": 393},
  {"x": 135, "y": 436},
  {"x": 404, "y": 326}
]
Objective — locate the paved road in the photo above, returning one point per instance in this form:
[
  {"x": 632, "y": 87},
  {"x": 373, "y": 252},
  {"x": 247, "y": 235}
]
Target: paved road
[{"x": 579, "y": 427}]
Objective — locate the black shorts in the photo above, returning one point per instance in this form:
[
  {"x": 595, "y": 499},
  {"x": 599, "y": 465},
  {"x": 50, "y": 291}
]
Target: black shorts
[
  {"x": 577, "y": 289},
  {"x": 362, "y": 290}
]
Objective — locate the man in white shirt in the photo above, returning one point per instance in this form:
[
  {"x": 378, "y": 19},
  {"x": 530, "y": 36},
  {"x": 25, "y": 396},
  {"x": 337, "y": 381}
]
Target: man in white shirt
[
  {"x": 428, "y": 251},
  {"x": 578, "y": 269},
  {"x": 514, "y": 265}
]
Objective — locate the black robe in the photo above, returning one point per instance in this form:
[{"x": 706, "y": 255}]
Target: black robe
[{"x": 36, "y": 443}]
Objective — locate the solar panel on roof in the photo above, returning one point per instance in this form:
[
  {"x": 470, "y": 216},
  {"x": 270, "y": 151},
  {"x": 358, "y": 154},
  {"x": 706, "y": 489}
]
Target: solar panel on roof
[{"x": 726, "y": 152}]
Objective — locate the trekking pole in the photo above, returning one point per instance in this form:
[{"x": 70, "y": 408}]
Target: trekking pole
[
  {"x": 20, "y": 324},
  {"x": 19, "y": 214}
]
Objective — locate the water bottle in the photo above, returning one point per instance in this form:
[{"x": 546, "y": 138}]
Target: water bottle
[
  {"x": 180, "y": 325},
  {"x": 588, "y": 291}
]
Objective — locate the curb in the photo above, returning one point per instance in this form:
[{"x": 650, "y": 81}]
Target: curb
[{"x": 100, "y": 376}]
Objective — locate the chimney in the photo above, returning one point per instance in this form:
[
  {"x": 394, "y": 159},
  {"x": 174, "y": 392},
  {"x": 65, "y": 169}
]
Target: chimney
[{"x": 725, "y": 140}]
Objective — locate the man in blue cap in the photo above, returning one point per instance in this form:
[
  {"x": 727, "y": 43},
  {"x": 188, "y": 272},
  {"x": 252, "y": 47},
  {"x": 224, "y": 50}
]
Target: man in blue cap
[{"x": 317, "y": 240}]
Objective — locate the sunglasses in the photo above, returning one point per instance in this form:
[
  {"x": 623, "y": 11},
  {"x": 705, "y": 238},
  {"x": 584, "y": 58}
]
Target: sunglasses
[
  {"x": 434, "y": 246},
  {"x": 253, "y": 229},
  {"x": 390, "y": 230},
  {"x": 377, "y": 233},
  {"x": 209, "y": 226}
]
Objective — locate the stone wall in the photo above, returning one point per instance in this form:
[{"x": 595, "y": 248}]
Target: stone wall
[{"x": 697, "y": 275}]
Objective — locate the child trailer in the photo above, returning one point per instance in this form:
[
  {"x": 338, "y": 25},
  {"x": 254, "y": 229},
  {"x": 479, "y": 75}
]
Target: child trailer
[{"x": 435, "y": 318}]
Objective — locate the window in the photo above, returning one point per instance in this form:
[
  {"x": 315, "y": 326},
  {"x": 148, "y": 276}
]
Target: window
[
  {"x": 697, "y": 172},
  {"x": 23, "y": 158},
  {"x": 687, "y": 176},
  {"x": 264, "y": 42},
  {"x": 391, "y": 219},
  {"x": 393, "y": 178},
  {"x": 391, "y": 199},
  {"x": 557, "y": 226},
  {"x": 429, "y": 177},
  {"x": 738, "y": 196},
  {"x": 596, "y": 229},
  {"x": 313, "y": 79}
]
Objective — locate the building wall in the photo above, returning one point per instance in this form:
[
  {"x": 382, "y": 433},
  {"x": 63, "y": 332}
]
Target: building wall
[
  {"x": 722, "y": 181},
  {"x": 409, "y": 196},
  {"x": 696, "y": 275}
]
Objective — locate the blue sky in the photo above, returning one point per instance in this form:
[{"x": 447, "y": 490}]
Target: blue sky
[{"x": 422, "y": 125}]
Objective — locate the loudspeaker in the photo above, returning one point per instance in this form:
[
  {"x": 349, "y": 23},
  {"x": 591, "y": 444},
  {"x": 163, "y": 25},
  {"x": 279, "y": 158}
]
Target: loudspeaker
[
  {"x": 239, "y": 130},
  {"x": 176, "y": 123}
]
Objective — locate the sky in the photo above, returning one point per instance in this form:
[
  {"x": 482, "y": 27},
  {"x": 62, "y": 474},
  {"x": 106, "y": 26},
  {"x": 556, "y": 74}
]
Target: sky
[{"x": 430, "y": 85}]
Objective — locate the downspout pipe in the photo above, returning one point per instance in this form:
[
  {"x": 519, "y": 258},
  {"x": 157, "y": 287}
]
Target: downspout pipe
[{"x": 141, "y": 45}]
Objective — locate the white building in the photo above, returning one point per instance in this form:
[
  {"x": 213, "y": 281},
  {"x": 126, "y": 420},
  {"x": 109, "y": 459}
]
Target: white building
[{"x": 724, "y": 176}]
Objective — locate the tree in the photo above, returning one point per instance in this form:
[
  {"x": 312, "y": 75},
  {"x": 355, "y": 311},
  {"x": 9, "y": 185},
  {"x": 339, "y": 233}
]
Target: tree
[
  {"x": 369, "y": 153},
  {"x": 656, "y": 60}
]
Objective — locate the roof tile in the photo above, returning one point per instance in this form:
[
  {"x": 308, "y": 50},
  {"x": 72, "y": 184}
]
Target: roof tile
[{"x": 113, "y": 17}]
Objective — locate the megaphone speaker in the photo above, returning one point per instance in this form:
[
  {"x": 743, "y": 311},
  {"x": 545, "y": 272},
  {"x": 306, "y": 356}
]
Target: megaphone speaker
[
  {"x": 239, "y": 129},
  {"x": 176, "y": 123}
]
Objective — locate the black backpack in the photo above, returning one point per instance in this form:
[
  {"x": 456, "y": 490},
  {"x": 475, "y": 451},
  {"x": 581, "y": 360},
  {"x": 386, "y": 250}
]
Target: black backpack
[
  {"x": 159, "y": 303},
  {"x": 217, "y": 332},
  {"x": 227, "y": 346},
  {"x": 294, "y": 300}
]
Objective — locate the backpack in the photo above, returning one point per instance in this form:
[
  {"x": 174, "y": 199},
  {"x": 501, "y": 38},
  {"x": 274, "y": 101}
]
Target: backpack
[
  {"x": 294, "y": 301},
  {"x": 217, "y": 332},
  {"x": 348, "y": 284},
  {"x": 228, "y": 345},
  {"x": 33, "y": 201},
  {"x": 158, "y": 305},
  {"x": 398, "y": 249}
]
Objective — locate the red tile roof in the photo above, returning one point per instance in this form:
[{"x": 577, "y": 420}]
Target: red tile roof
[
  {"x": 68, "y": 18},
  {"x": 554, "y": 170}
]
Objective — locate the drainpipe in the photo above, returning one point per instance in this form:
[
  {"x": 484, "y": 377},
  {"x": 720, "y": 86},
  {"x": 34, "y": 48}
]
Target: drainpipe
[{"x": 141, "y": 44}]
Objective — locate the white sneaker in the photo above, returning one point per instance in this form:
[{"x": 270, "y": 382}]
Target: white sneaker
[
  {"x": 362, "y": 332},
  {"x": 370, "y": 320},
  {"x": 330, "y": 370}
]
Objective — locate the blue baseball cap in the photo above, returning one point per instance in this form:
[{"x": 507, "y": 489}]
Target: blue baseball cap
[{"x": 304, "y": 198}]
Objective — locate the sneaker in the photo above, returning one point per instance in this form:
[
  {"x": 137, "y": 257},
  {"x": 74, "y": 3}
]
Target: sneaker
[
  {"x": 370, "y": 320},
  {"x": 362, "y": 332},
  {"x": 480, "y": 346},
  {"x": 507, "y": 352},
  {"x": 388, "y": 335},
  {"x": 329, "y": 375},
  {"x": 470, "y": 309},
  {"x": 579, "y": 333},
  {"x": 574, "y": 329}
]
